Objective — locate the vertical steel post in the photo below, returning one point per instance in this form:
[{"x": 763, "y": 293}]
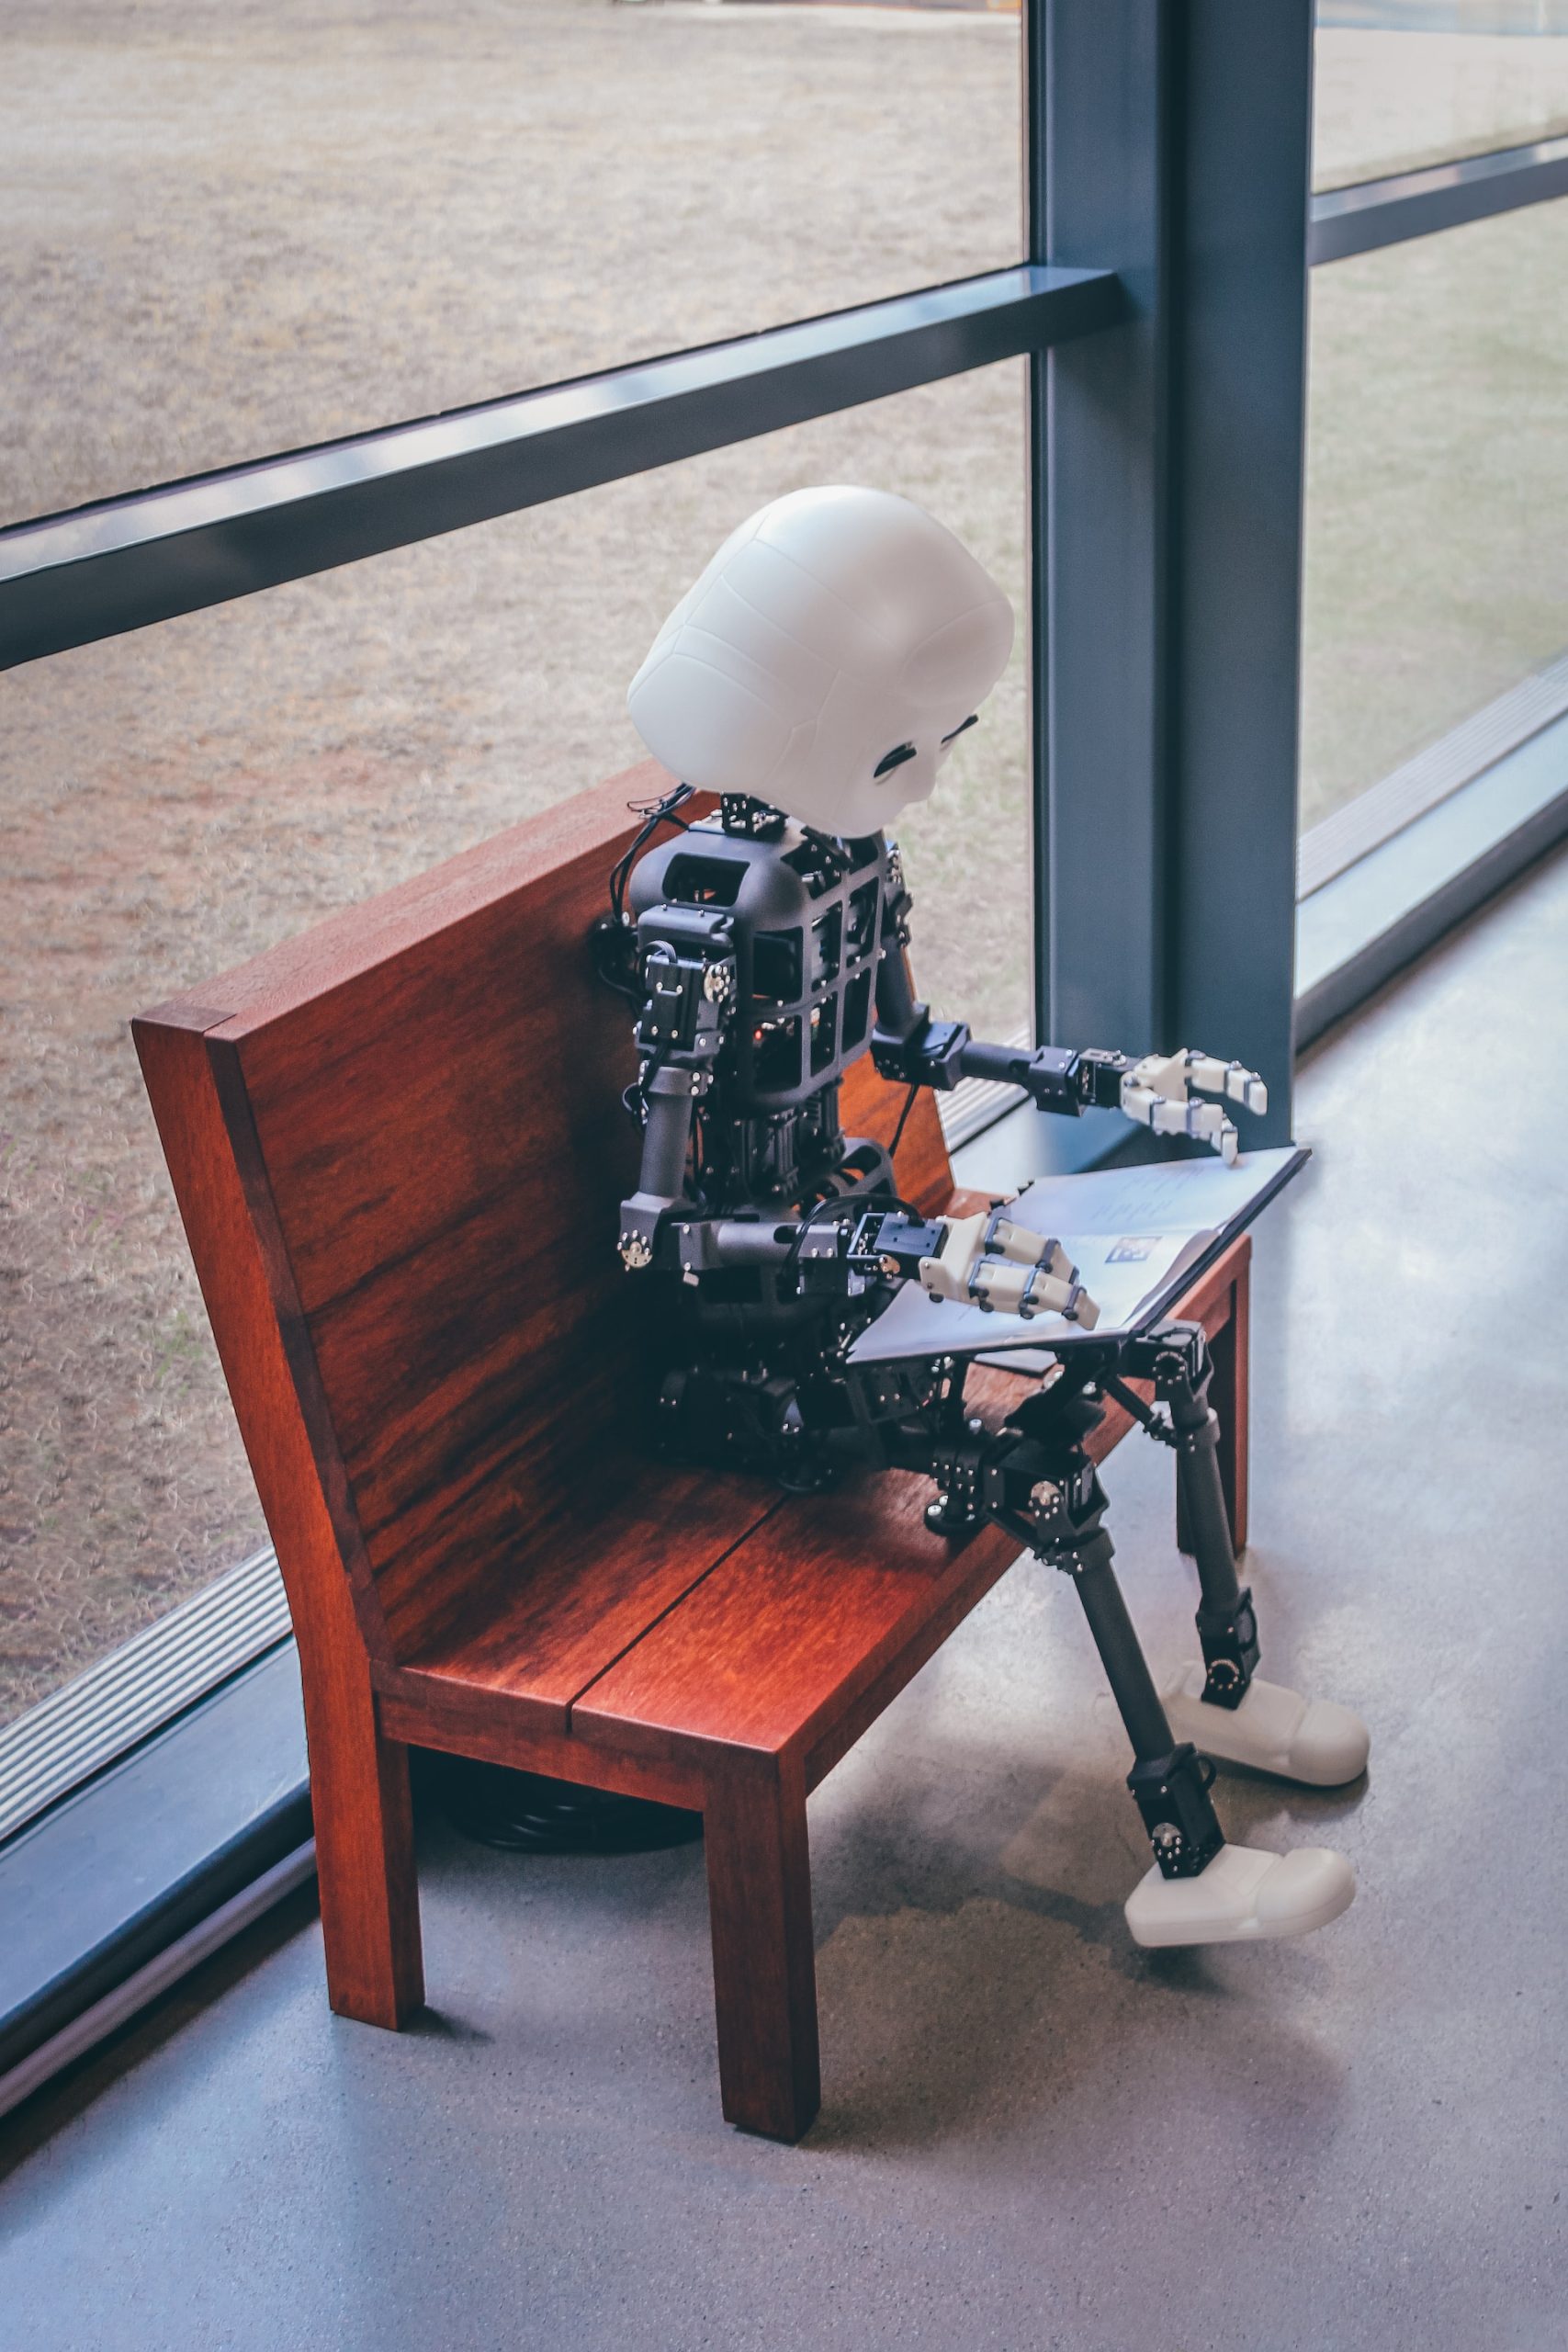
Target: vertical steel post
[
  {"x": 1170, "y": 142},
  {"x": 1238, "y": 443},
  {"x": 1096, "y": 72}
]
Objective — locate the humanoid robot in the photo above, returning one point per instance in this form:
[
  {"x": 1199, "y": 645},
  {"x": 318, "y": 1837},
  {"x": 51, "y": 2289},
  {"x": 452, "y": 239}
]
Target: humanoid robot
[{"x": 816, "y": 677}]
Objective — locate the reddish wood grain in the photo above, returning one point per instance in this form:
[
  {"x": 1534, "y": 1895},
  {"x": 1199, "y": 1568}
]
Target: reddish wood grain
[
  {"x": 379, "y": 931},
  {"x": 619, "y": 1551},
  {"x": 447, "y": 1154},
  {"x": 360, "y": 1779},
  {"x": 871, "y": 1107},
  {"x": 764, "y": 1967},
  {"x": 1231, "y": 1346},
  {"x": 427, "y": 1710},
  {"x": 789, "y": 1630}
]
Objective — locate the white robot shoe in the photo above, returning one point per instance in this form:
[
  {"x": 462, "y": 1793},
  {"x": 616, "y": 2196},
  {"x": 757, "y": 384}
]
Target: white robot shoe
[
  {"x": 1274, "y": 1730},
  {"x": 1244, "y": 1896}
]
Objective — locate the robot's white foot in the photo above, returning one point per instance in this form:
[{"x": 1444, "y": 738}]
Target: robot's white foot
[
  {"x": 1274, "y": 1730},
  {"x": 1244, "y": 1895}
]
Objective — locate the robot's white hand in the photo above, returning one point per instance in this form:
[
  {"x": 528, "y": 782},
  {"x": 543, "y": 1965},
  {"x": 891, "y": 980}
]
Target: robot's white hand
[
  {"x": 1155, "y": 1092},
  {"x": 987, "y": 1261}
]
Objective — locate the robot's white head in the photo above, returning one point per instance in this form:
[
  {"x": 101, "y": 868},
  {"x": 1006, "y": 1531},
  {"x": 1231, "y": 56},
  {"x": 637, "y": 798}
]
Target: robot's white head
[{"x": 826, "y": 660}]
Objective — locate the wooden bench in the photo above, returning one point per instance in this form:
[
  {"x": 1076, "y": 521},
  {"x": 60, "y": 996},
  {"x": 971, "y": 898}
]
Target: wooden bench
[{"x": 398, "y": 1150}]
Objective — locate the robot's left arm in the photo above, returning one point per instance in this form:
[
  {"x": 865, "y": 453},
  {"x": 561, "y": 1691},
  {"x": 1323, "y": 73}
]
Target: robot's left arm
[
  {"x": 987, "y": 1261},
  {"x": 1184, "y": 1093}
]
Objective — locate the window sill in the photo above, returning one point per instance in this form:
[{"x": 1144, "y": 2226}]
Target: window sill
[{"x": 1367, "y": 922}]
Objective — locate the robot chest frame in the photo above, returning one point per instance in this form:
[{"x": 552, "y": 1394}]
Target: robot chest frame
[{"x": 803, "y": 915}]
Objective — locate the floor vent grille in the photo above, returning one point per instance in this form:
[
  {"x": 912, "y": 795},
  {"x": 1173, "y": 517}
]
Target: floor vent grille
[{"x": 77, "y": 1730}]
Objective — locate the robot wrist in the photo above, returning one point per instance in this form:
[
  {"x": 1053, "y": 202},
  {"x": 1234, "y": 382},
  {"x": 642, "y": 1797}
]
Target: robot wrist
[
  {"x": 1097, "y": 1076},
  {"x": 931, "y": 1054}
]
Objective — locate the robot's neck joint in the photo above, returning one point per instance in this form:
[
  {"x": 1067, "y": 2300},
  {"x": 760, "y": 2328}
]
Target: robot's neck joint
[{"x": 748, "y": 819}]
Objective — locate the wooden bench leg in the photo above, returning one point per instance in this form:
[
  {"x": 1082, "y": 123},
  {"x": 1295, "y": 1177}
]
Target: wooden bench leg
[
  {"x": 1227, "y": 1394},
  {"x": 764, "y": 1968},
  {"x": 364, "y": 1820},
  {"x": 1228, "y": 1351}
]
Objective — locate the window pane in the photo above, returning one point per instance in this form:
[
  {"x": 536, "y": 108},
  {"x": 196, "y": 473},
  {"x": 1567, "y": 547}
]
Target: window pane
[
  {"x": 183, "y": 798},
  {"x": 1401, "y": 83},
  {"x": 1437, "y": 516},
  {"x": 230, "y": 230}
]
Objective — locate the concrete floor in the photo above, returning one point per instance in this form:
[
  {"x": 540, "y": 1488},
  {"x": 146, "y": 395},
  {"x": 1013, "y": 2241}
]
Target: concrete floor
[{"x": 1033, "y": 2134}]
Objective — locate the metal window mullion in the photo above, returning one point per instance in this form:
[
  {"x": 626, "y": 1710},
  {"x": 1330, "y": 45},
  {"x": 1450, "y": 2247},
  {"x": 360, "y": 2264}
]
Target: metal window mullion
[
  {"x": 1176, "y": 146},
  {"x": 1238, "y": 453},
  {"x": 1099, "y": 72}
]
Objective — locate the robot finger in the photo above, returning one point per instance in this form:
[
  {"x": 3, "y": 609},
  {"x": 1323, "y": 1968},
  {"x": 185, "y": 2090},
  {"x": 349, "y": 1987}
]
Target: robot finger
[
  {"x": 1152, "y": 1110},
  {"x": 1208, "y": 1124},
  {"x": 1160, "y": 1075},
  {"x": 1016, "y": 1242},
  {"x": 1028, "y": 1291},
  {"x": 1204, "y": 1122},
  {"x": 1232, "y": 1079},
  {"x": 991, "y": 1239}
]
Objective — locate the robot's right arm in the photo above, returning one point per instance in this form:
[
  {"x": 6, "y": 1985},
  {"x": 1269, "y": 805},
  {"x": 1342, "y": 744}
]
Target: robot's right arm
[
  {"x": 1162, "y": 1092},
  {"x": 689, "y": 975},
  {"x": 1165, "y": 1093}
]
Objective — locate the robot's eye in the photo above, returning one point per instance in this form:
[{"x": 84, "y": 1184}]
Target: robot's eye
[
  {"x": 891, "y": 760},
  {"x": 963, "y": 727}
]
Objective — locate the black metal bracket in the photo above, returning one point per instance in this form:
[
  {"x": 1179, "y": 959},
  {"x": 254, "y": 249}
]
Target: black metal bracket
[
  {"x": 1172, "y": 1795},
  {"x": 1230, "y": 1651}
]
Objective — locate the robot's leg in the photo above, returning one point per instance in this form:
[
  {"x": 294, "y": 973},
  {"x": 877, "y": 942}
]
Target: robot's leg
[
  {"x": 1223, "y": 1705},
  {"x": 1199, "y": 1890}
]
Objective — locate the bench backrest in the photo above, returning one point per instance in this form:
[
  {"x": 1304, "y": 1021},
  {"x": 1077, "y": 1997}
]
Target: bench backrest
[{"x": 398, "y": 1149}]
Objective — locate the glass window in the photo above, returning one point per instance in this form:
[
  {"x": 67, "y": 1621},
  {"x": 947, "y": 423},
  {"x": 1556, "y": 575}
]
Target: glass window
[
  {"x": 1436, "y": 510},
  {"x": 232, "y": 230},
  {"x": 182, "y": 798},
  {"x": 1403, "y": 83}
]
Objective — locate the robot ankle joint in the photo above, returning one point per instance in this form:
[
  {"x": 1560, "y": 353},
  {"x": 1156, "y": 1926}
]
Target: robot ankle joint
[
  {"x": 1229, "y": 1639},
  {"x": 1172, "y": 1795}
]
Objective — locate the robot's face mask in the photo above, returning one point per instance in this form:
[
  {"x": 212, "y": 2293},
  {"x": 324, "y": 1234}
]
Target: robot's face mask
[{"x": 834, "y": 650}]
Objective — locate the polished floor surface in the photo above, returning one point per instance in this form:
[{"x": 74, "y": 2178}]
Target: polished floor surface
[{"x": 1033, "y": 2134}]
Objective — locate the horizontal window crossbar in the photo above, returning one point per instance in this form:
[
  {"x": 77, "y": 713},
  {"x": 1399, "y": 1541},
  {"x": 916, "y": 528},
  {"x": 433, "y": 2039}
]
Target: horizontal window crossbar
[
  {"x": 1358, "y": 219},
  {"x": 71, "y": 578}
]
